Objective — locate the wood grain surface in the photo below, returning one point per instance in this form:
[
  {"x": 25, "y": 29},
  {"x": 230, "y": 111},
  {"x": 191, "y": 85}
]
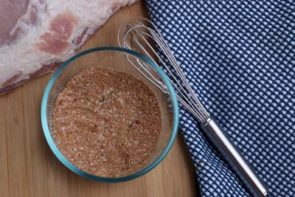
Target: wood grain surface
[{"x": 29, "y": 169}]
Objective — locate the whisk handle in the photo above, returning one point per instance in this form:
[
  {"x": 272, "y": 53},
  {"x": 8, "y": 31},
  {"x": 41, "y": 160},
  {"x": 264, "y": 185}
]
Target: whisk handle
[{"x": 234, "y": 158}]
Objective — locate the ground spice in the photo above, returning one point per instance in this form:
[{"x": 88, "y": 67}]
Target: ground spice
[{"x": 106, "y": 123}]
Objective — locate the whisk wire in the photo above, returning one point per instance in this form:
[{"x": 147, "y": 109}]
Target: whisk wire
[
  {"x": 192, "y": 95},
  {"x": 139, "y": 32}
]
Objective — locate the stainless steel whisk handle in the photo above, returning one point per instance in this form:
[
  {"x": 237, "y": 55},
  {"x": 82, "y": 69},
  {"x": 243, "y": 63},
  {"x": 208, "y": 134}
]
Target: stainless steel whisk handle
[{"x": 234, "y": 157}]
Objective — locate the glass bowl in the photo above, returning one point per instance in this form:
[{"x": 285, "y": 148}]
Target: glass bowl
[{"x": 117, "y": 59}]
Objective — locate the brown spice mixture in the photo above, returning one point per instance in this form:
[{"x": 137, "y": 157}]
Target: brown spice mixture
[{"x": 106, "y": 123}]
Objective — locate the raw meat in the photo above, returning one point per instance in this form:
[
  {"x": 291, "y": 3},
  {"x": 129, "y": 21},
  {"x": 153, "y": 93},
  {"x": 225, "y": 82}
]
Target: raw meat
[{"x": 35, "y": 34}]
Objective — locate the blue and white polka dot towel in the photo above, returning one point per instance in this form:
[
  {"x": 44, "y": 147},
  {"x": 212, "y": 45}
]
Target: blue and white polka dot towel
[{"x": 240, "y": 57}]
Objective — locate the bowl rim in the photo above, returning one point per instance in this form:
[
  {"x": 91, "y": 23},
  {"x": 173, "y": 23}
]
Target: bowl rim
[{"x": 62, "y": 158}]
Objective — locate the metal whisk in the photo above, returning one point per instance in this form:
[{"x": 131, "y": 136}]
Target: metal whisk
[{"x": 143, "y": 36}]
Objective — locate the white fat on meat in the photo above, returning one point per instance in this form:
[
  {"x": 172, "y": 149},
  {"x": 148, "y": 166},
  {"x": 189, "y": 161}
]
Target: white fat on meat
[{"x": 35, "y": 34}]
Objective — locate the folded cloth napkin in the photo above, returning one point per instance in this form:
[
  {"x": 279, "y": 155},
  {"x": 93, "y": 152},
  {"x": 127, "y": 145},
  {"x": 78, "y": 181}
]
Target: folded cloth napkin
[{"x": 239, "y": 56}]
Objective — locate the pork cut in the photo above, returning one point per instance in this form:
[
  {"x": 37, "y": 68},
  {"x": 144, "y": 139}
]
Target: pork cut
[{"x": 35, "y": 34}]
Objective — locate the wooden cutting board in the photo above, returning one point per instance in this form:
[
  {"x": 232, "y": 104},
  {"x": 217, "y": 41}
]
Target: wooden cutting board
[{"x": 28, "y": 168}]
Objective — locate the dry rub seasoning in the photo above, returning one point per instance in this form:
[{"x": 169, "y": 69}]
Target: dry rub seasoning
[{"x": 106, "y": 123}]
